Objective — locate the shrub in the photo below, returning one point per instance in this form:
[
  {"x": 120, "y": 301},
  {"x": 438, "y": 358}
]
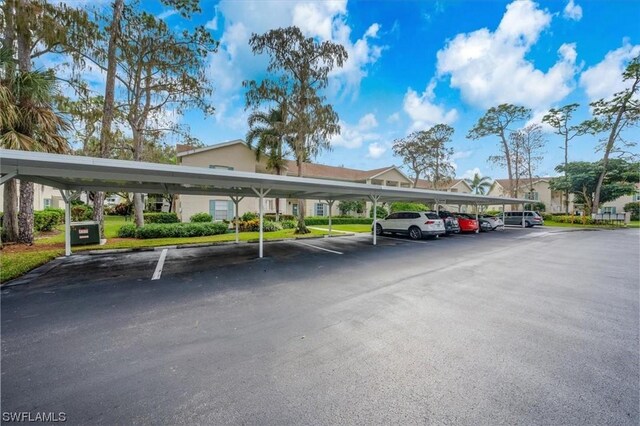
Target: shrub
[
  {"x": 289, "y": 224},
  {"x": 80, "y": 212},
  {"x": 58, "y": 212},
  {"x": 634, "y": 209},
  {"x": 127, "y": 231},
  {"x": 493, "y": 212},
  {"x": 381, "y": 212},
  {"x": 173, "y": 230},
  {"x": 248, "y": 216},
  {"x": 323, "y": 220},
  {"x": 123, "y": 209},
  {"x": 46, "y": 220},
  {"x": 272, "y": 216},
  {"x": 201, "y": 217},
  {"x": 402, "y": 206},
  {"x": 584, "y": 220},
  {"x": 254, "y": 226},
  {"x": 109, "y": 210},
  {"x": 270, "y": 226},
  {"x": 164, "y": 217},
  {"x": 538, "y": 206}
]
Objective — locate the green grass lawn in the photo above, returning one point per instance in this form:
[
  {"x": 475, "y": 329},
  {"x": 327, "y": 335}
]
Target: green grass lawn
[
  {"x": 346, "y": 228},
  {"x": 632, "y": 224},
  {"x": 14, "y": 264}
]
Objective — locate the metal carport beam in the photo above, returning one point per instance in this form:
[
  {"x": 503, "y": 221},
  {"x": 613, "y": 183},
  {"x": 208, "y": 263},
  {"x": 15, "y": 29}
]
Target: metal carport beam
[{"x": 8, "y": 176}]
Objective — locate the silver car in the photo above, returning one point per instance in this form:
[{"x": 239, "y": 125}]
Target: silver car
[
  {"x": 531, "y": 218},
  {"x": 493, "y": 223}
]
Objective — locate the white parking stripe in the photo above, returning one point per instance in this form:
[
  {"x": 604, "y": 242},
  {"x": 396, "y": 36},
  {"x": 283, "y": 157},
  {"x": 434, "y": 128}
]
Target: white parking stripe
[
  {"x": 403, "y": 239},
  {"x": 158, "y": 271},
  {"x": 319, "y": 248}
]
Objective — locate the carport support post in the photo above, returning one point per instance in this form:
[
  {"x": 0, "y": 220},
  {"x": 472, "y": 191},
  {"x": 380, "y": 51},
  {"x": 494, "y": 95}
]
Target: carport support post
[
  {"x": 477, "y": 220},
  {"x": 67, "y": 196},
  {"x": 261, "y": 193},
  {"x": 330, "y": 203},
  {"x": 503, "y": 222},
  {"x": 236, "y": 203},
  {"x": 523, "y": 225},
  {"x": 374, "y": 199}
]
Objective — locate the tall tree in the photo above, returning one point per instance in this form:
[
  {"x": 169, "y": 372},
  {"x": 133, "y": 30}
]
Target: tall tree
[
  {"x": 266, "y": 137},
  {"x": 415, "y": 153},
  {"x": 532, "y": 145},
  {"x": 560, "y": 119},
  {"x": 108, "y": 106},
  {"x": 163, "y": 71},
  {"x": 499, "y": 121},
  {"x": 299, "y": 69},
  {"x": 581, "y": 178},
  {"x": 439, "y": 154},
  {"x": 612, "y": 117},
  {"x": 479, "y": 184}
]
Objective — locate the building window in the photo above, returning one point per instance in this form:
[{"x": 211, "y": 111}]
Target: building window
[
  {"x": 294, "y": 209},
  {"x": 636, "y": 196},
  {"x": 321, "y": 209},
  {"x": 532, "y": 195},
  {"x": 216, "y": 166},
  {"x": 268, "y": 205},
  {"x": 609, "y": 210},
  {"x": 47, "y": 203},
  {"x": 221, "y": 209}
]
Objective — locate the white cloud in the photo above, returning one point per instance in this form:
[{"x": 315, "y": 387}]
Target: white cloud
[
  {"x": 422, "y": 110},
  {"x": 213, "y": 23},
  {"x": 376, "y": 150},
  {"x": 353, "y": 136},
  {"x": 604, "y": 79},
  {"x": 458, "y": 155},
  {"x": 167, "y": 13},
  {"x": 471, "y": 172},
  {"x": 572, "y": 11},
  {"x": 393, "y": 118},
  {"x": 490, "y": 68}
]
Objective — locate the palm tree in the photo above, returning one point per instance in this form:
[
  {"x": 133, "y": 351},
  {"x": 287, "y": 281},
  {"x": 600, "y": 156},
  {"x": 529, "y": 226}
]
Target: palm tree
[
  {"x": 28, "y": 122},
  {"x": 479, "y": 184},
  {"x": 265, "y": 137}
]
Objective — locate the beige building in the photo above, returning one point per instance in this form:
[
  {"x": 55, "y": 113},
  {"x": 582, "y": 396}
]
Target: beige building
[
  {"x": 236, "y": 155},
  {"x": 43, "y": 196},
  {"x": 554, "y": 201}
]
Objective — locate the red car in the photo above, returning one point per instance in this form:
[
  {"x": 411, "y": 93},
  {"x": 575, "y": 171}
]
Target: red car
[{"x": 467, "y": 223}]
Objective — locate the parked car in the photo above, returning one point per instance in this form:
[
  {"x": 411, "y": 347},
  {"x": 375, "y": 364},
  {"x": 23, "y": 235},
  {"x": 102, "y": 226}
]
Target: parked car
[
  {"x": 414, "y": 224},
  {"x": 450, "y": 222},
  {"x": 467, "y": 222},
  {"x": 531, "y": 218},
  {"x": 494, "y": 222}
]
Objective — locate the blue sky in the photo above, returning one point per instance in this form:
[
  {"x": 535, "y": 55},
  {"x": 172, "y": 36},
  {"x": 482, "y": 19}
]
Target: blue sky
[{"x": 417, "y": 63}]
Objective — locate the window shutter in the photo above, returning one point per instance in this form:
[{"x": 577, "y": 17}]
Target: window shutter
[
  {"x": 230, "y": 212},
  {"x": 212, "y": 208}
]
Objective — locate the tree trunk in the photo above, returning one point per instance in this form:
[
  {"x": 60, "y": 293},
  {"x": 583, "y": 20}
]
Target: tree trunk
[
  {"x": 108, "y": 107},
  {"x": 138, "y": 209},
  {"x": 10, "y": 209},
  {"x": 25, "y": 215},
  {"x": 507, "y": 154},
  {"x": 566, "y": 162},
  {"x": 302, "y": 228}
]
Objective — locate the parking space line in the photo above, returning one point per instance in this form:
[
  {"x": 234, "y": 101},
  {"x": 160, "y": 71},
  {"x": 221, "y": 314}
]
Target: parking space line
[
  {"x": 401, "y": 239},
  {"x": 319, "y": 248},
  {"x": 158, "y": 271}
]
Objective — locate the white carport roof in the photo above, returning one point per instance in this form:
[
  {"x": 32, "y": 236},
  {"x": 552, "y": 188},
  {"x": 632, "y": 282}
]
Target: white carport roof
[{"x": 68, "y": 172}]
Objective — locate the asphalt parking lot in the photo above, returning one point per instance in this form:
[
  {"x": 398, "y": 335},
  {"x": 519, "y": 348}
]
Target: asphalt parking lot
[{"x": 525, "y": 326}]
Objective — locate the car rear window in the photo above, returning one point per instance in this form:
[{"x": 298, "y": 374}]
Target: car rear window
[{"x": 432, "y": 215}]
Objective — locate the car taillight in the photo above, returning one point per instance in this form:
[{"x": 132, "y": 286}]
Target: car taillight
[{"x": 429, "y": 222}]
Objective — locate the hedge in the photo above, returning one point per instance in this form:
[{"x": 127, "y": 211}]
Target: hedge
[
  {"x": 282, "y": 217},
  {"x": 324, "y": 220},
  {"x": 163, "y": 217},
  {"x": 80, "y": 212},
  {"x": 289, "y": 224},
  {"x": 580, "y": 220},
  {"x": 48, "y": 219},
  {"x": 201, "y": 217},
  {"x": 634, "y": 209},
  {"x": 172, "y": 230},
  {"x": 381, "y": 212},
  {"x": 401, "y": 206},
  {"x": 254, "y": 226}
]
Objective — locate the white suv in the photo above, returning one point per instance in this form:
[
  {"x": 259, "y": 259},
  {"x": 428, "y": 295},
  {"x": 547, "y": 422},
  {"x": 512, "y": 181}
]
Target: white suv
[{"x": 414, "y": 224}]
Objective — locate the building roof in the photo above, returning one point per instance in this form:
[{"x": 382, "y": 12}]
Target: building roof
[
  {"x": 184, "y": 150},
  {"x": 504, "y": 183},
  {"x": 443, "y": 185},
  {"x": 322, "y": 171}
]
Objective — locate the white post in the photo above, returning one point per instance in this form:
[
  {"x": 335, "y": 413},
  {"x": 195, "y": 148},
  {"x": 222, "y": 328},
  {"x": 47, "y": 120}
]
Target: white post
[
  {"x": 236, "y": 203},
  {"x": 330, "y": 202},
  {"x": 523, "y": 225},
  {"x": 261, "y": 193},
  {"x": 503, "y": 217},
  {"x": 66, "y": 196},
  {"x": 374, "y": 199},
  {"x": 477, "y": 219}
]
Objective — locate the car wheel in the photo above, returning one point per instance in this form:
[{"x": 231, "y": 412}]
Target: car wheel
[
  {"x": 527, "y": 224},
  {"x": 378, "y": 229},
  {"x": 415, "y": 233}
]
